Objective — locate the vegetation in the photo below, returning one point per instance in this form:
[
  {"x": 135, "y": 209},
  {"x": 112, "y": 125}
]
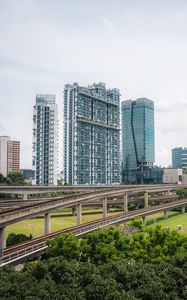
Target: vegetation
[
  {"x": 135, "y": 263},
  {"x": 149, "y": 245},
  {"x": 13, "y": 178},
  {"x": 14, "y": 239},
  {"x": 181, "y": 192}
]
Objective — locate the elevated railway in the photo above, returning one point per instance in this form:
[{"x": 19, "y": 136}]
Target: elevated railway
[
  {"x": 33, "y": 248},
  {"x": 13, "y": 215}
]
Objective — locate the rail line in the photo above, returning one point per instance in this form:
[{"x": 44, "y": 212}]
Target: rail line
[
  {"x": 14, "y": 215},
  {"x": 38, "y": 246}
]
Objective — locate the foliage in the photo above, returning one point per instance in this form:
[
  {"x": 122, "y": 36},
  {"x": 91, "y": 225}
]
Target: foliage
[
  {"x": 13, "y": 238},
  {"x": 150, "y": 244},
  {"x": 150, "y": 264},
  {"x": 13, "y": 178},
  {"x": 137, "y": 222},
  {"x": 181, "y": 192},
  {"x": 57, "y": 278}
]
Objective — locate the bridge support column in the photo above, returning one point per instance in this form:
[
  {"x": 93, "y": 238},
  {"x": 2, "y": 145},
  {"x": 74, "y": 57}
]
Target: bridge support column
[
  {"x": 146, "y": 200},
  {"x": 79, "y": 214},
  {"x": 125, "y": 207},
  {"x": 183, "y": 209},
  {"x": 105, "y": 207},
  {"x": 74, "y": 211},
  {"x": 47, "y": 225},
  {"x": 3, "y": 238},
  {"x": 144, "y": 218},
  {"x": 165, "y": 214},
  {"x": 25, "y": 197}
]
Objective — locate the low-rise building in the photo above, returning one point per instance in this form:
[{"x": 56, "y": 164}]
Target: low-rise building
[{"x": 172, "y": 175}]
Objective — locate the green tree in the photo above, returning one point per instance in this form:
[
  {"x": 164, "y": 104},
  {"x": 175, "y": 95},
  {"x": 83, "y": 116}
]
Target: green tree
[
  {"x": 13, "y": 238},
  {"x": 15, "y": 178},
  {"x": 66, "y": 245}
]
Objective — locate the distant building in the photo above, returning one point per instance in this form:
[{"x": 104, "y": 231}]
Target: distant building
[
  {"x": 3, "y": 155},
  {"x": 179, "y": 158},
  {"x": 91, "y": 134},
  {"x": 45, "y": 140},
  {"x": 172, "y": 175},
  {"x": 28, "y": 174},
  {"x": 13, "y": 156},
  {"x": 9, "y": 155},
  {"x": 138, "y": 140}
]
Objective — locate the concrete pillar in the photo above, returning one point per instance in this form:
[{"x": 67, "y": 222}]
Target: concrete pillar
[
  {"x": 125, "y": 203},
  {"x": 183, "y": 209},
  {"x": 165, "y": 214},
  {"x": 74, "y": 211},
  {"x": 3, "y": 238},
  {"x": 105, "y": 207},
  {"x": 144, "y": 218},
  {"x": 25, "y": 197},
  {"x": 146, "y": 200},
  {"x": 47, "y": 225},
  {"x": 79, "y": 214}
]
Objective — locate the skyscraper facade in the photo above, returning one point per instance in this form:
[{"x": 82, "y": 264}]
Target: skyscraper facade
[
  {"x": 45, "y": 140},
  {"x": 91, "y": 134},
  {"x": 179, "y": 158},
  {"x": 9, "y": 155},
  {"x": 138, "y": 141},
  {"x": 13, "y": 156}
]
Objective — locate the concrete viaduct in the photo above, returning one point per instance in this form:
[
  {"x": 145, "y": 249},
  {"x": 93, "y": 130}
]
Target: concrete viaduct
[
  {"x": 34, "y": 248},
  {"x": 14, "y": 215}
]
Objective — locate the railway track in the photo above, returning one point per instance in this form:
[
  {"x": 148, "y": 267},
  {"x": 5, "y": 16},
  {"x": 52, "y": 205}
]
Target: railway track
[
  {"x": 38, "y": 246},
  {"x": 13, "y": 215}
]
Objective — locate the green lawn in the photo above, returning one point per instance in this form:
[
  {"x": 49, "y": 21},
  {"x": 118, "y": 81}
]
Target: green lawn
[
  {"x": 35, "y": 226},
  {"x": 175, "y": 220}
]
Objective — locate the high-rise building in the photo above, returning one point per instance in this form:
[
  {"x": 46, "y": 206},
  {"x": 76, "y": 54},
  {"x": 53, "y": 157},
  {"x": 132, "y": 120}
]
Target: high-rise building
[
  {"x": 45, "y": 140},
  {"x": 13, "y": 156},
  {"x": 179, "y": 158},
  {"x": 91, "y": 134},
  {"x": 9, "y": 155},
  {"x": 138, "y": 142}
]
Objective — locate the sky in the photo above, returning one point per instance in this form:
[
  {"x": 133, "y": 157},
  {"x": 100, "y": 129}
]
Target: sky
[{"x": 137, "y": 46}]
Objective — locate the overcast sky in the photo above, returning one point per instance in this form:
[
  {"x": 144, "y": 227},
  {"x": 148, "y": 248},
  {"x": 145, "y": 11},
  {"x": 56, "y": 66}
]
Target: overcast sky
[{"x": 137, "y": 46}]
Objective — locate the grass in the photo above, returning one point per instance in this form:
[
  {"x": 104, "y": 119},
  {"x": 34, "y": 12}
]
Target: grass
[
  {"x": 173, "y": 221},
  {"x": 35, "y": 226}
]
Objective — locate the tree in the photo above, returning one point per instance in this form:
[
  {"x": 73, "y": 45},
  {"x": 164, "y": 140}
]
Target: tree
[
  {"x": 137, "y": 222},
  {"x": 16, "y": 178},
  {"x": 13, "y": 238},
  {"x": 3, "y": 179},
  {"x": 66, "y": 245}
]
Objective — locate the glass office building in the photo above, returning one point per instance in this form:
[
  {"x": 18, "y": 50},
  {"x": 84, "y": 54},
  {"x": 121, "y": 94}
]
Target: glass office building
[
  {"x": 91, "y": 134},
  {"x": 179, "y": 158},
  {"x": 45, "y": 140},
  {"x": 138, "y": 140}
]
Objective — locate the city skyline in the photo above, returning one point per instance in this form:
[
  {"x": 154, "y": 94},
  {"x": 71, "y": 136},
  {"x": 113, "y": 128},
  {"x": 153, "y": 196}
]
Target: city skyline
[{"x": 138, "y": 47}]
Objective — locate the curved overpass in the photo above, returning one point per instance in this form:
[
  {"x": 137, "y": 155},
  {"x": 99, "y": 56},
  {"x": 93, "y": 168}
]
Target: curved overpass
[
  {"x": 35, "y": 247},
  {"x": 14, "y": 215}
]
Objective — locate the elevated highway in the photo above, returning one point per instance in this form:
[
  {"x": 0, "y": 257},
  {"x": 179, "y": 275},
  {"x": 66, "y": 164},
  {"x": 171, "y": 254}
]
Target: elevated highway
[
  {"x": 34, "y": 190},
  {"x": 33, "y": 248},
  {"x": 15, "y": 214}
]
